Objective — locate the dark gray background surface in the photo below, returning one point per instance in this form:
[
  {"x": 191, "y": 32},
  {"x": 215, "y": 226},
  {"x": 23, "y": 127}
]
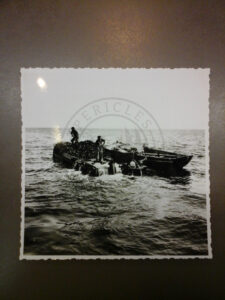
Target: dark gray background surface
[{"x": 123, "y": 33}]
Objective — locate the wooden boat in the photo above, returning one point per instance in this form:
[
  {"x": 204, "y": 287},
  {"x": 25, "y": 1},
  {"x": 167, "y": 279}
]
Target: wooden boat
[
  {"x": 82, "y": 157},
  {"x": 85, "y": 151},
  {"x": 64, "y": 153},
  {"x": 159, "y": 159}
]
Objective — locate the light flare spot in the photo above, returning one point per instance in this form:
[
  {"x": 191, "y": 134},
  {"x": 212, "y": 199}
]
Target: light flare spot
[
  {"x": 41, "y": 83},
  {"x": 57, "y": 134}
]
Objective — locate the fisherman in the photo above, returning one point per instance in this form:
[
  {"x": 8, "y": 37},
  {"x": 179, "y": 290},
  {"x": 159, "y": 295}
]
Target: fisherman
[
  {"x": 112, "y": 167},
  {"x": 100, "y": 146},
  {"x": 133, "y": 163},
  {"x": 134, "y": 166},
  {"x": 75, "y": 136}
]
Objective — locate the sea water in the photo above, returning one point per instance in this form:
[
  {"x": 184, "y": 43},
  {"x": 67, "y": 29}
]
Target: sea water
[{"x": 67, "y": 213}]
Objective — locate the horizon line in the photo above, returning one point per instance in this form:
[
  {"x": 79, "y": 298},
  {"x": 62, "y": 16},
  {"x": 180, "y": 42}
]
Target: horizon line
[{"x": 98, "y": 128}]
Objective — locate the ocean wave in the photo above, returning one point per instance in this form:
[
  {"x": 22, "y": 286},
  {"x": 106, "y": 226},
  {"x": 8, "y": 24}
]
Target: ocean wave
[{"x": 70, "y": 213}]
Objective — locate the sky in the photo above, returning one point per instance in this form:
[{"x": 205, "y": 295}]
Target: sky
[{"x": 176, "y": 98}]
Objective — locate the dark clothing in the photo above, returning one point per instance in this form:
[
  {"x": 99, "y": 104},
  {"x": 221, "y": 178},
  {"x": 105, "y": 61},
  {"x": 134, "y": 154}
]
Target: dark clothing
[
  {"x": 100, "y": 146},
  {"x": 112, "y": 168},
  {"x": 75, "y": 136},
  {"x": 100, "y": 142}
]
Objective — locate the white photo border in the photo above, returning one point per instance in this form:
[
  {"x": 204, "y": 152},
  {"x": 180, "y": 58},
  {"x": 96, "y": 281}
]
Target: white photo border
[{"x": 23, "y": 256}]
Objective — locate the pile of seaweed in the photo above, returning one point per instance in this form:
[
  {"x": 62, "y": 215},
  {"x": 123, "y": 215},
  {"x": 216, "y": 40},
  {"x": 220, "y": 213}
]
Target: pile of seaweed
[{"x": 83, "y": 150}]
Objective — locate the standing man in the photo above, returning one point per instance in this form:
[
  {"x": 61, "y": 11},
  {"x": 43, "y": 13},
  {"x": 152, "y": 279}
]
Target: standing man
[
  {"x": 100, "y": 147},
  {"x": 75, "y": 136}
]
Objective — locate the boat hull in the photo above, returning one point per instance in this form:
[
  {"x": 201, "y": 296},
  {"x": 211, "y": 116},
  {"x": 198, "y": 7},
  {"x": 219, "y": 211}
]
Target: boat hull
[{"x": 160, "y": 160}]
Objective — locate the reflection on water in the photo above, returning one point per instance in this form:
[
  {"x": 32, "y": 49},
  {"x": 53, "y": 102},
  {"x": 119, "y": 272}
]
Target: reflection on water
[
  {"x": 174, "y": 176},
  {"x": 180, "y": 177},
  {"x": 69, "y": 213}
]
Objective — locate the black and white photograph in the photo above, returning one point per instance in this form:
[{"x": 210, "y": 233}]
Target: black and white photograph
[{"x": 115, "y": 163}]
